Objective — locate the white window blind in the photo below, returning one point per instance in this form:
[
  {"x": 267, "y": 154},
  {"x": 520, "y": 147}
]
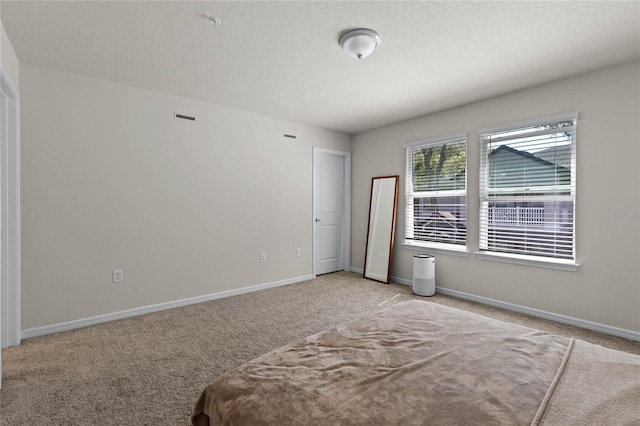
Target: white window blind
[
  {"x": 528, "y": 188},
  {"x": 436, "y": 192}
]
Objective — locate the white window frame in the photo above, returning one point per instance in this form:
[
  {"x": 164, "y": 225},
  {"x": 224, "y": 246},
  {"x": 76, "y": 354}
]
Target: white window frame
[
  {"x": 524, "y": 259},
  {"x": 409, "y": 242}
]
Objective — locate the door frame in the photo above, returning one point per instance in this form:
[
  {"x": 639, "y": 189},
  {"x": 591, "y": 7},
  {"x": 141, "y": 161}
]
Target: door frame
[
  {"x": 10, "y": 277},
  {"x": 346, "y": 219}
]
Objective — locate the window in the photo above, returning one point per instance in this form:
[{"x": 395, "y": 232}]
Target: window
[
  {"x": 436, "y": 193},
  {"x": 527, "y": 188}
]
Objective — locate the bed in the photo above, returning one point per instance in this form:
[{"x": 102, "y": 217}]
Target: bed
[{"x": 418, "y": 362}]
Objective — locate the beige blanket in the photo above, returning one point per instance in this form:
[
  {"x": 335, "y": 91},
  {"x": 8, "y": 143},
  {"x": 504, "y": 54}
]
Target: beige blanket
[
  {"x": 414, "y": 363},
  {"x": 597, "y": 386}
]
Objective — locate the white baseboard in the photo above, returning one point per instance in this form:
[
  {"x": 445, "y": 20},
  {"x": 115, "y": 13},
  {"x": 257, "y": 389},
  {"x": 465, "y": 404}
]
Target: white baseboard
[
  {"x": 401, "y": 281},
  {"x": 70, "y": 325},
  {"x": 589, "y": 325}
]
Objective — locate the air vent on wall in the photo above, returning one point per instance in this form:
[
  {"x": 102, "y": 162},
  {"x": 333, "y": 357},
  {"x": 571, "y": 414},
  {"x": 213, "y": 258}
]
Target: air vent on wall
[{"x": 185, "y": 117}]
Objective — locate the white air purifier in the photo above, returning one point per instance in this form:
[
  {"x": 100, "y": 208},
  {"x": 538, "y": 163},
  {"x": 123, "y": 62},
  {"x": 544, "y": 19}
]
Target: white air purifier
[{"x": 424, "y": 274}]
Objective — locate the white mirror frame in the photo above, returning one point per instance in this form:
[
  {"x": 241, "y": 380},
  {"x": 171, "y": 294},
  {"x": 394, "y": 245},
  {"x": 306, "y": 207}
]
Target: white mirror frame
[{"x": 381, "y": 228}]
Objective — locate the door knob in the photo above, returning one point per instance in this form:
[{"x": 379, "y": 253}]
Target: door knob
[{"x": 318, "y": 220}]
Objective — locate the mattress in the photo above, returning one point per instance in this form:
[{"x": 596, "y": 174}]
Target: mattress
[{"x": 418, "y": 362}]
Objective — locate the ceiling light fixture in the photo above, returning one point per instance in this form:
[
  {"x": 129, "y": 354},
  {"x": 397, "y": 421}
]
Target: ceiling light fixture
[{"x": 360, "y": 42}]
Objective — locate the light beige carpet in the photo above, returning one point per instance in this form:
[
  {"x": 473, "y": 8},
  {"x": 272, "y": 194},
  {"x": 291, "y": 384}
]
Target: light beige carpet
[{"x": 151, "y": 369}]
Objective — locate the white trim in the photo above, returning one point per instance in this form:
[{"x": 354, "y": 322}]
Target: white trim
[
  {"x": 70, "y": 325},
  {"x": 7, "y": 87},
  {"x": 528, "y": 123},
  {"x": 403, "y": 281},
  {"x": 563, "y": 319},
  {"x": 462, "y": 251},
  {"x": 437, "y": 139},
  {"x": 357, "y": 270},
  {"x": 346, "y": 248},
  {"x": 10, "y": 333},
  {"x": 562, "y": 265},
  {"x": 512, "y": 136},
  {"x": 347, "y": 211}
]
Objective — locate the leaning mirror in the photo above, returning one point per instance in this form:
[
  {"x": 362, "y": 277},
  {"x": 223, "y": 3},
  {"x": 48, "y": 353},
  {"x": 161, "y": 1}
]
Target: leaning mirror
[{"x": 382, "y": 226}]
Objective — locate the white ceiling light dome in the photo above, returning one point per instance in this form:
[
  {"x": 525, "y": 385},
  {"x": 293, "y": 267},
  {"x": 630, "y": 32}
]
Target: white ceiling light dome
[{"x": 360, "y": 42}]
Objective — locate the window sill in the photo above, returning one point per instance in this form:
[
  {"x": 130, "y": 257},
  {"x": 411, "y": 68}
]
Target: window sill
[
  {"x": 563, "y": 265},
  {"x": 462, "y": 251}
]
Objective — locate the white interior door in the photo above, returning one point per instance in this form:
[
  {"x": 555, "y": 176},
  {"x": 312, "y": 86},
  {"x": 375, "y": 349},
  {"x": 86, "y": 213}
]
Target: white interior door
[
  {"x": 3, "y": 137},
  {"x": 331, "y": 207},
  {"x": 10, "y": 334}
]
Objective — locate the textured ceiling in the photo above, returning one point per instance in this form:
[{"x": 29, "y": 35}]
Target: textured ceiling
[{"x": 282, "y": 59}]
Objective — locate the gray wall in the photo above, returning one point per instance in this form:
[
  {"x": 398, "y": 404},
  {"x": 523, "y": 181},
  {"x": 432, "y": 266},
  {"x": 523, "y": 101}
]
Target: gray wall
[
  {"x": 110, "y": 179},
  {"x": 606, "y": 288}
]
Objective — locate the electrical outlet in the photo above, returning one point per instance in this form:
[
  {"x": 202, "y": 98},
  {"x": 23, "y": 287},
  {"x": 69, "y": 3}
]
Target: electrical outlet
[
  {"x": 117, "y": 276},
  {"x": 263, "y": 257},
  {"x": 298, "y": 252}
]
